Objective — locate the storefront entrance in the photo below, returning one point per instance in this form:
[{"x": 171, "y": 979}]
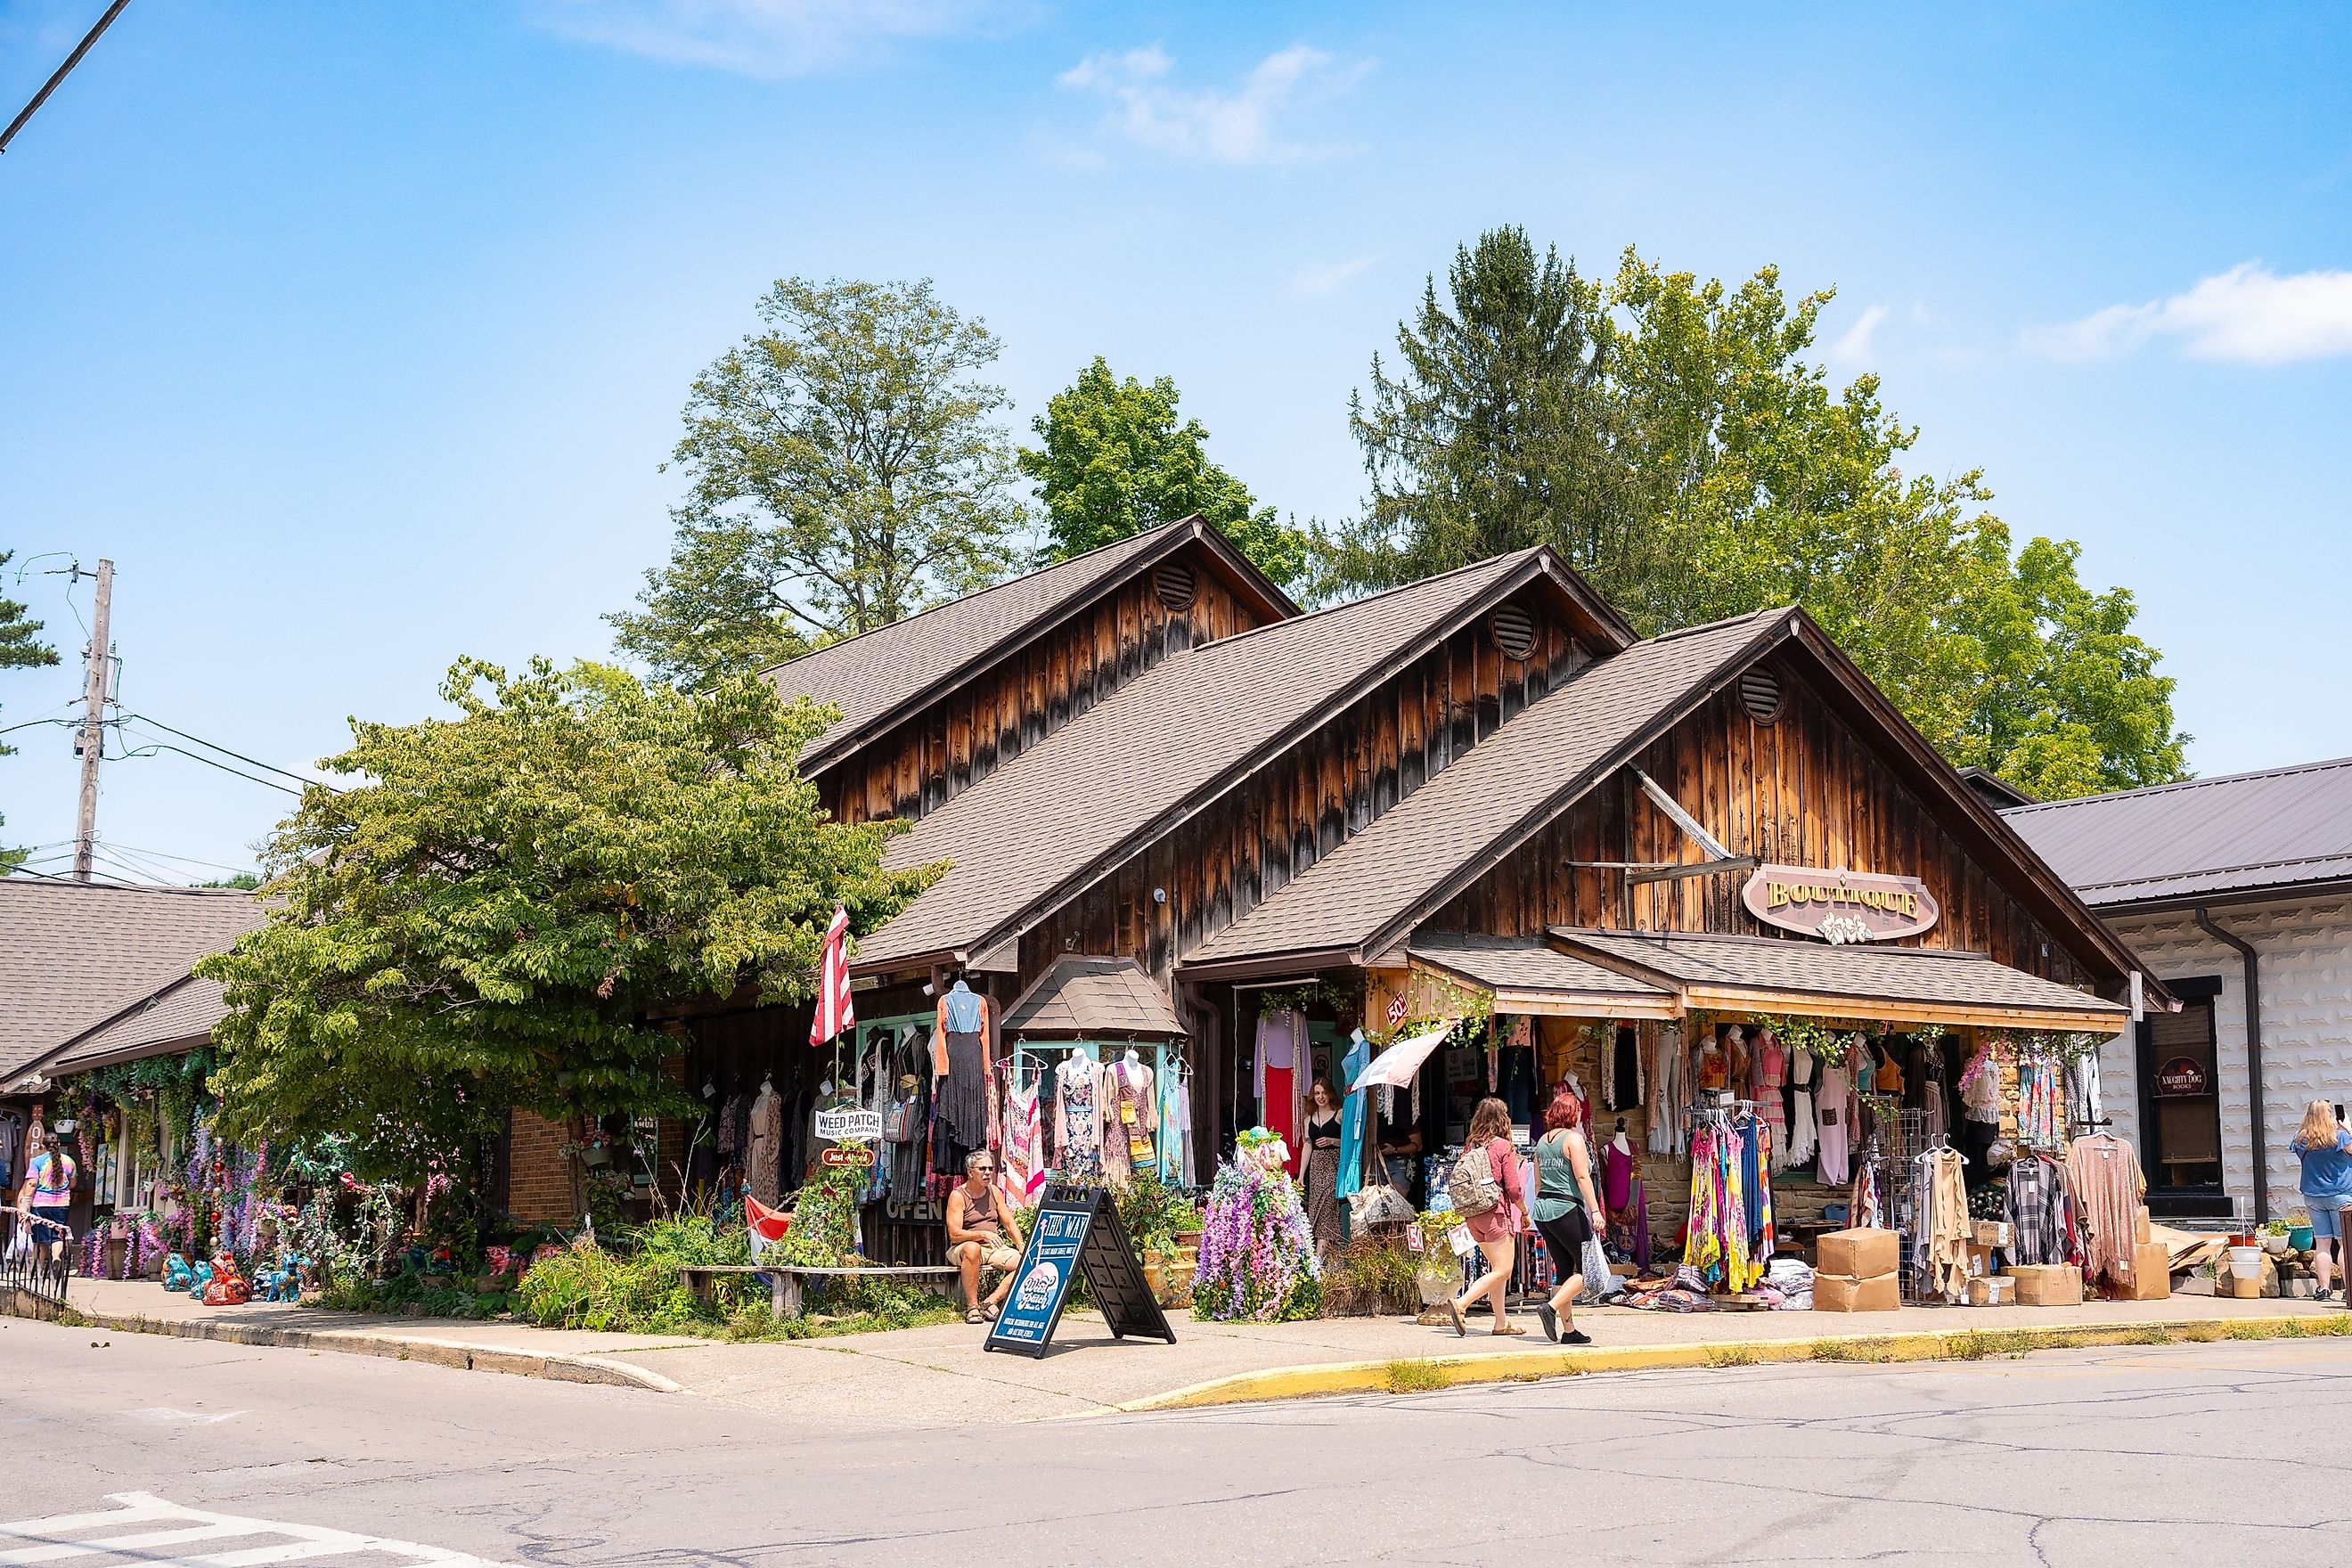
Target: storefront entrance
[{"x": 2180, "y": 1104}]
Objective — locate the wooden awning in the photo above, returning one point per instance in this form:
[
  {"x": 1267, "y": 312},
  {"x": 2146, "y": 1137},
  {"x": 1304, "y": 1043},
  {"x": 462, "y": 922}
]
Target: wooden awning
[
  {"x": 1528, "y": 975},
  {"x": 1810, "y": 979}
]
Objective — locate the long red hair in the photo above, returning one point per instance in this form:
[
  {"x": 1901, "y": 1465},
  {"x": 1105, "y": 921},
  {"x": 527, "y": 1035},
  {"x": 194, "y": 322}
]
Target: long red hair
[{"x": 1566, "y": 1112}]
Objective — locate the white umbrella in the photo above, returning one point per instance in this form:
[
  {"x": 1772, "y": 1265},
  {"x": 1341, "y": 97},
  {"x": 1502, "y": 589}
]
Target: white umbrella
[{"x": 1395, "y": 1068}]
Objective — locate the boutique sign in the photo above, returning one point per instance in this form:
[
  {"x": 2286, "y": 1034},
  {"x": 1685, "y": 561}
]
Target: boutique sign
[{"x": 1840, "y": 907}]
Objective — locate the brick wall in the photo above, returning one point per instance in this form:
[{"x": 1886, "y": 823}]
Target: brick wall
[
  {"x": 2306, "y": 947},
  {"x": 539, "y": 1178}
]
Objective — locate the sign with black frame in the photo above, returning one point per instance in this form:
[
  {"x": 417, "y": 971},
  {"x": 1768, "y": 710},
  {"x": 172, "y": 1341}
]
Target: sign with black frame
[{"x": 1078, "y": 1231}]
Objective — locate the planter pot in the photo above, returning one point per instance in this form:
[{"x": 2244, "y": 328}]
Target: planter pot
[
  {"x": 595, "y": 1159},
  {"x": 1437, "y": 1285},
  {"x": 2299, "y": 1238},
  {"x": 1156, "y": 1277},
  {"x": 2277, "y": 1246}
]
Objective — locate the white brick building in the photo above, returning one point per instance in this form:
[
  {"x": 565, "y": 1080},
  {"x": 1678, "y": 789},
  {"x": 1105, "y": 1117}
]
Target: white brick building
[{"x": 2185, "y": 873}]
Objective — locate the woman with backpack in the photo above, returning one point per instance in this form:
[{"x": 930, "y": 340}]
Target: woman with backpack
[{"x": 1487, "y": 1195}]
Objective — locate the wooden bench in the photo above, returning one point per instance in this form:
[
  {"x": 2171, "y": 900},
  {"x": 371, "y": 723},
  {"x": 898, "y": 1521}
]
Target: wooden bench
[{"x": 785, "y": 1283}]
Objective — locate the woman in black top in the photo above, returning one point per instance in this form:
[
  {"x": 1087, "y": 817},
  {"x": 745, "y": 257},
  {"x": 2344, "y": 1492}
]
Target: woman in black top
[{"x": 1324, "y": 1214}]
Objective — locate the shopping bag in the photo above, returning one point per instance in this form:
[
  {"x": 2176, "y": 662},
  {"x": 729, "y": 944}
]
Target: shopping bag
[{"x": 1599, "y": 1283}]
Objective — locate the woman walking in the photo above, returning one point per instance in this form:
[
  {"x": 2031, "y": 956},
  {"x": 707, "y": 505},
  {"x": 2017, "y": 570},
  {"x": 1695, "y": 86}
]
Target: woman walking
[
  {"x": 1487, "y": 1194},
  {"x": 1324, "y": 1216},
  {"x": 1563, "y": 1208},
  {"x": 2325, "y": 1149}
]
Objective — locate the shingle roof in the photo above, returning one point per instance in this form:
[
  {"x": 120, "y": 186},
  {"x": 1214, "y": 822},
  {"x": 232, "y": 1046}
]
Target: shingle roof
[
  {"x": 1523, "y": 964},
  {"x": 1352, "y": 895},
  {"x": 2243, "y": 833},
  {"x": 1069, "y": 802},
  {"x": 1093, "y": 998},
  {"x": 872, "y": 676},
  {"x": 74, "y": 954},
  {"x": 179, "y": 1016},
  {"x": 1921, "y": 975}
]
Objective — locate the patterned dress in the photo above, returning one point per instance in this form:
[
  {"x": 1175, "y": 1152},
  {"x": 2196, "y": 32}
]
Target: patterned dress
[{"x": 1078, "y": 1080}]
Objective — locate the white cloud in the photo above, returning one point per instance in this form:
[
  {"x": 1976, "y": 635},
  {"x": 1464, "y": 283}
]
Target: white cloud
[
  {"x": 2247, "y": 314},
  {"x": 1240, "y": 126},
  {"x": 1853, "y": 343},
  {"x": 767, "y": 37},
  {"x": 1313, "y": 282}
]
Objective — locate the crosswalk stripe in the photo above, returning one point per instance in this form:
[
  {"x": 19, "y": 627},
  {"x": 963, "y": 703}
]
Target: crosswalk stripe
[{"x": 190, "y": 1525}]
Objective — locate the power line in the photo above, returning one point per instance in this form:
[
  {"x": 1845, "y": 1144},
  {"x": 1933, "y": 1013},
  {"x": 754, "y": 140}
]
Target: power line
[
  {"x": 72, "y": 60},
  {"x": 224, "y": 751},
  {"x": 182, "y": 860},
  {"x": 152, "y": 747}
]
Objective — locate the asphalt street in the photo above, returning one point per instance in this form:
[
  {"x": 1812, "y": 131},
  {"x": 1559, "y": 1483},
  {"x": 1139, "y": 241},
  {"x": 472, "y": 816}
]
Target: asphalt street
[{"x": 188, "y": 1451}]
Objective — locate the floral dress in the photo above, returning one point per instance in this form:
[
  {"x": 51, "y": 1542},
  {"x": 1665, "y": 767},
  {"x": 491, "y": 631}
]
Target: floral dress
[{"x": 1081, "y": 1122}]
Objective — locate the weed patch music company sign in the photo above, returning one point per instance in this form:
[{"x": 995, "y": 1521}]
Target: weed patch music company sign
[{"x": 1840, "y": 907}]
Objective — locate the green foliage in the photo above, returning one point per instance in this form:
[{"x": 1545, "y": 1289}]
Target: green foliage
[
  {"x": 845, "y": 469},
  {"x": 1115, "y": 461},
  {"x": 1153, "y": 1214},
  {"x": 1375, "y": 1275},
  {"x": 1668, "y": 436},
  {"x": 483, "y": 920}
]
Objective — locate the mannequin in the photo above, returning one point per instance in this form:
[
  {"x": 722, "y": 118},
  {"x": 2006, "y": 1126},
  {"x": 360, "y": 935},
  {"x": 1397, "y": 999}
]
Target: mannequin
[
  {"x": 1768, "y": 1070},
  {"x": 1803, "y": 1143},
  {"x": 962, "y": 1046},
  {"x": 1280, "y": 1074},
  {"x": 761, "y": 1171},
  {"x": 1129, "y": 1117}
]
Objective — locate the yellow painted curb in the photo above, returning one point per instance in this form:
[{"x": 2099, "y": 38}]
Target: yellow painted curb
[{"x": 1419, "y": 1375}]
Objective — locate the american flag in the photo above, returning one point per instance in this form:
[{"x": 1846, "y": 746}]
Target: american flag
[{"x": 834, "y": 1011}]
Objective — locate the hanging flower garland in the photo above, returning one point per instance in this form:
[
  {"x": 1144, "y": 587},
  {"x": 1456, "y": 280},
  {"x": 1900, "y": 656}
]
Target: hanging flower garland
[{"x": 1257, "y": 1254}]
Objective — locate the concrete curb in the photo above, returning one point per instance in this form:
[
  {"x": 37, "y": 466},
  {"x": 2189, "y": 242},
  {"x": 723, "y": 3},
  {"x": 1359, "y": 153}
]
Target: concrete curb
[
  {"x": 1409, "y": 1377},
  {"x": 454, "y": 1353}
]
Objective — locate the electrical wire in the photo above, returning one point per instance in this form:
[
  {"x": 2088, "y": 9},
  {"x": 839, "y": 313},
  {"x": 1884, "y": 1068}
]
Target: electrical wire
[
  {"x": 182, "y": 860},
  {"x": 152, "y": 747},
  {"x": 224, "y": 751}
]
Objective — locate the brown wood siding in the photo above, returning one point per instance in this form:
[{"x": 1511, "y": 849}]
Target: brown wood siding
[
  {"x": 938, "y": 750},
  {"x": 1805, "y": 790},
  {"x": 1327, "y": 786}
]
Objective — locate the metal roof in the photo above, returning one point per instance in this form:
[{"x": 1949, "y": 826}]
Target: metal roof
[{"x": 2178, "y": 842}]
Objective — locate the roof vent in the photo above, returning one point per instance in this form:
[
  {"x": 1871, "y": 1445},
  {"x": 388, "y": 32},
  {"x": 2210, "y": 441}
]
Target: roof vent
[
  {"x": 1759, "y": 693},
  {"x": 1175, "y": 584},
  {"x": 1515, "y": 631}
]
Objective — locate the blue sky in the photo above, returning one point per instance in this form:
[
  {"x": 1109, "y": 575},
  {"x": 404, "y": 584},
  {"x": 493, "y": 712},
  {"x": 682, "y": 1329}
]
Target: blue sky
[{"x": 356, "y": 334}]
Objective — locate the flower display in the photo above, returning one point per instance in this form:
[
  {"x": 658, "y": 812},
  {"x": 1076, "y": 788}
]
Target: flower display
[{"x": 1257, "y": 1254}]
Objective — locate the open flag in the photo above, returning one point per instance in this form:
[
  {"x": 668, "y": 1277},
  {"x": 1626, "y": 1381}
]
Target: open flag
[
  {"x": 834, "y": 1012},
  {"x": 767, "y": 1226}
]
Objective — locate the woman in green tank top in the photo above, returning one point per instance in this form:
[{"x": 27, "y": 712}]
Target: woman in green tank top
[{"x": 1562, "y": 1208}]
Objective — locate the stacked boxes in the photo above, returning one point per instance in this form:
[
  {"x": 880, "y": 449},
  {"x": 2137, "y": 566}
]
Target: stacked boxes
[{"x": 1856, "y": 1272}]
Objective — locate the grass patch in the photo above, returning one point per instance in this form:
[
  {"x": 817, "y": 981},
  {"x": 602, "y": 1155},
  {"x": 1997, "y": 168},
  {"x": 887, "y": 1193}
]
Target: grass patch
[
  {"x": 1975, "y": 1345},
  {"x": 1847, "y": 1351},
  {"x": 1731, "y": 1355},
  {"x": 2152, "y": 1336},
  {"x": 1413, "y": 1376}
]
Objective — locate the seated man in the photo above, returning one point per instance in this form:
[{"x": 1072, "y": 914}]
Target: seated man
[{"x": 981, "y": 1234}]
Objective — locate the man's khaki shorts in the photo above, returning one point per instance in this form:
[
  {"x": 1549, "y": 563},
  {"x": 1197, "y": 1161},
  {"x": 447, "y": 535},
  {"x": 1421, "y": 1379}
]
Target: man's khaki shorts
[{"x": 1002, "y": 1258}]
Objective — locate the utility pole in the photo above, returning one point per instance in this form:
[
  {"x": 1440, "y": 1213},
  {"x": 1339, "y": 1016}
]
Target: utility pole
[{"x": 92, "y": 741}]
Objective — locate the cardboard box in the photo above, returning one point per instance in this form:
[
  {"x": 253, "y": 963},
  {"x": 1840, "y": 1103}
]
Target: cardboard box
[
  {"x": 2152, "y": 1273},
  {"x": 2139, "y": 1226},
  {"x": 1994, "y": 1292},
  {"x": 2047, "y": 1285},
  {"x": 1979, "y": 1261},
  {"x": 1859, "y": 1253},
  {"x": 1843, "y": 1293},
  {"x": 1992, "y": 1232}
]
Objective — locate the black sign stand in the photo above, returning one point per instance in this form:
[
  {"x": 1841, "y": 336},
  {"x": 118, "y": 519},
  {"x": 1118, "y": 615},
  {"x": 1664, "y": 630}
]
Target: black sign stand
[{"x": 1077, "y": 1230}]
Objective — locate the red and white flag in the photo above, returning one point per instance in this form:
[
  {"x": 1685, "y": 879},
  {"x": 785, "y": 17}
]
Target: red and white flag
[
  {"x": 767, "y": 1227},
  {"x": 834, "y": 1011}
]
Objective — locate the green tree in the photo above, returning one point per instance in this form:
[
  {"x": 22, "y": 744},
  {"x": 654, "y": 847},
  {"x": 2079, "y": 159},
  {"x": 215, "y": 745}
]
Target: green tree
[
  {"x": 485, "y": 917},
  {"x": 845, "y": 469},
  {"x": 1494, "y": 431},
  {"x": 1709, "y": 469},
  {"x": 1115, "y": 461},
  {"x": 20, "y": 649}
]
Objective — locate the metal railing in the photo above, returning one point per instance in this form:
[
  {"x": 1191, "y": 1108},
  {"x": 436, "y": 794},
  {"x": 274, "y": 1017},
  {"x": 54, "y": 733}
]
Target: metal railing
[{"x": 36, "y": 1258}]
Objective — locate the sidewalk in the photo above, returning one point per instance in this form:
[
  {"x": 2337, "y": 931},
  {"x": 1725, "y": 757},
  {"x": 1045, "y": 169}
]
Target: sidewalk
[
  {"x": 939, "y": 1376},
  {"x": 136, "y": 1306}
]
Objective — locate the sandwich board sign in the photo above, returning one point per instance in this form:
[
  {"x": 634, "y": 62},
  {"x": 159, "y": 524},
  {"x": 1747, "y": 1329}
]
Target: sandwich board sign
[{"x": 1078, "y": 1232}]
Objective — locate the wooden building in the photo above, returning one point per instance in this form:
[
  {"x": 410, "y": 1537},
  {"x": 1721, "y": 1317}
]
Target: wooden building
[{"x": 1483, "y": 782}]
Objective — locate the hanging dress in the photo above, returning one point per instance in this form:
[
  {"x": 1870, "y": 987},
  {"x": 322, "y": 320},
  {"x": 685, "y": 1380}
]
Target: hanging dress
[
  {"x": 1832, "y": 1118},
  {"x": 1078, "y": 1118},
  {"x": 1804, "y": 1137},
  {"x": 1281, "y": 1057},
  {"x": 1666, "y": 1090},
  {"x": 1769, "y": 1073},
  {"x": 1024, "y": 1159},
  {"x": 1352, "y": 1117},
  {"x": 963, "y": 1096}
]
